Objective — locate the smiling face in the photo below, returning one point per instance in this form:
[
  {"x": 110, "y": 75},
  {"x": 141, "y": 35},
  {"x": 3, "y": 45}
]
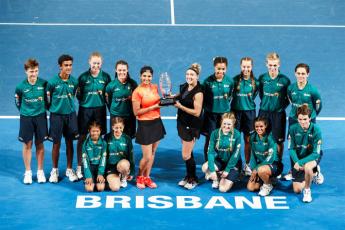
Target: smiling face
[
  {"x": 220, "y": 70},
  {"x": 260, "y": 128},
  {"x": 66, "y": 68},
  {"x": 301, "y": 75},
  {"x": 227, "y": 125},
  {"x": 95, "y": 133},
  {"x": 117, "y": 129},
  {"x": 146, "y": 77},
  {"x": 191, "y": 77},
  {"x": 246, "y": 68},
  {"x": 95, "y": 63},
  {"x": 122, "y": 72},
  {"x": 32, "y": 74}
]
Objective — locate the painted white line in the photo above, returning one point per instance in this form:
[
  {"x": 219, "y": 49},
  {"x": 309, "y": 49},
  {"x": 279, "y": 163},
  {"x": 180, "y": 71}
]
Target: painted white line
[
  {"x": 166, "y": 25},
  {"x": 172, "y": 12},
  {"x": 175, "y": 117}
]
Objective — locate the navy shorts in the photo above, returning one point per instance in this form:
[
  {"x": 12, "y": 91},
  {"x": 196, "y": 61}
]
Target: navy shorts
[
  {"x": 276, "y": 124},
  {"x": 149, "y": 131},
  {"x": 63, "y": 124},
  {"x": 111, "y": 169},
  {"x": 234, "y": 173},
  {"x": 88, "y": 115},
  {"x": 33, "y": 125},
  {"x": 211, "y": 122},
  {"x": 187, "y": 133},
  {"x": 130, "y": 125},
  {"x": 276, "y": 168},
  {"x": 94, "y": 172},
  {"x": 299, "y": 176},
  {"x": 245, "y": 121}
]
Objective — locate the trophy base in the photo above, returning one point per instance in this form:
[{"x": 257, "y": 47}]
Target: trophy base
[{"x": 167, "y": 101}]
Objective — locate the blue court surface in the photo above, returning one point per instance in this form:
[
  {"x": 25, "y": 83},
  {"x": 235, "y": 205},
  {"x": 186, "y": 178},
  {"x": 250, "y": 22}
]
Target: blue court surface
[{"x": 169, "y": 36}]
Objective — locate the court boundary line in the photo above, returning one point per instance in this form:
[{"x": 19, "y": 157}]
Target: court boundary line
[
  {"x": 172, "y": 12},
  {"x": 173, "y": 24},
  {"x": 175, "y": 117}
]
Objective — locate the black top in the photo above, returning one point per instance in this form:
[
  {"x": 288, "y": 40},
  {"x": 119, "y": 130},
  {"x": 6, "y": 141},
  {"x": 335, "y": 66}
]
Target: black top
[{"x": 186, "y": 99}]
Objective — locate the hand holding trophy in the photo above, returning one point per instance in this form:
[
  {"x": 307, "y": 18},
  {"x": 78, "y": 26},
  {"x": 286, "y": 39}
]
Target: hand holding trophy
[{"x": 165, "y": 88}]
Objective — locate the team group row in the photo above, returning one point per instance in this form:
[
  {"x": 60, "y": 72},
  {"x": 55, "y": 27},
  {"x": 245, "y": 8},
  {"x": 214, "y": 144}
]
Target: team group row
[{"x": 203, "y": 108}]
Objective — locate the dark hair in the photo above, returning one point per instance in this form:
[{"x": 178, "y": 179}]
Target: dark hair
[
  {"x": 261, "y": 119},
  {"x": 95, "y": 124},
  {"x": 217, "y": 60},
  {"x": 121, "y": 62},
  {"x": 64, "y": 57},
  {"x": 304, "y": 110},
  {"x": 30, "y": 63},
  {"x": 302, "y": 65},
  {"x": 116, "y": 120},
  {"x": 145, "y": 69},
  {"x": 251, "y": 74}
]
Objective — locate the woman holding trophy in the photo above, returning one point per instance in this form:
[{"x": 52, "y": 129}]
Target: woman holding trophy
[
  {"x": 189, "y": 121},
  {"x": 146, "y": 108}
]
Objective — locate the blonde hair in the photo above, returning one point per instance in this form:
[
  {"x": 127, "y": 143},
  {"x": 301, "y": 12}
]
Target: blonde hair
[
  {"x": 232, "y": 117},
  {"x": 272, "y": 56},
  {"x": 196, "y": 67},
  {"x": 95, "y": 54}
]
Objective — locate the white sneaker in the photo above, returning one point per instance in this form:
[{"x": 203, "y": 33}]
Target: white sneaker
[
  {"x": 307, "y": 196},
  {"x": 183, "y": 182},
  {"x": 265, "y": 189},
  {"x": 247, "y": 170},
  {"x": 288, "y": 176},
  {"x": 79, "y": 173},
  {"x": 41, "y": 178},
  {"x": 318, "y": 178},
  {"x": 191, "y": 184},
  {"x": 215, "y": 184},
  {"x": 71, "y": 175},
  {"x": 28, "y": 177},
  {"x": 54, "y": 176},
  {"x": 123, "y": 182}
]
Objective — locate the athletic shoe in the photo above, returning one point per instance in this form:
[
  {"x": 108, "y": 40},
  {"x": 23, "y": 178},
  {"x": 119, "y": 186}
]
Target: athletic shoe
[
  {"x": 191, "y": 183},
  {"x": 183, "y": 182},
  {"x": 28, "y": 177},
  {"x": 247, "y": 170},
  {"x": 215, "y": 184},
  {"x": 307, "y": 196},
  {"x": 41, "y": 178},
  {"x": 140, "y": 182},
  {"x": 279, "y": 177},
  {"x": 288, "y": 176},
  {"x": 79, "y": 173},
  {"x": 265, "y": 189},
  {"x": 71, "y": 175},
  {"x": 318, "y": 178},
  {"x": 149, "y": 183},
  {"x": 54, "y": 175},
  {"x": 123, "y": 182}
]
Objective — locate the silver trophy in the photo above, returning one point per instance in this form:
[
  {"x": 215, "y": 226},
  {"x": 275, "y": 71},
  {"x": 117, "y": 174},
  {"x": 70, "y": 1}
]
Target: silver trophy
[{"x": 165, "y": 88}]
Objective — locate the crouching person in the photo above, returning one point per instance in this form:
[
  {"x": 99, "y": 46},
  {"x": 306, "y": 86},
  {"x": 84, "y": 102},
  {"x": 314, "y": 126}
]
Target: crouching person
[
  {"x": 224, "y": 161},
  {"x": 120, "y": 163},
  {"x": 264, "y": 160},
  {"x": 94, "y": 154},
  {"x": 305, "y": 150}
]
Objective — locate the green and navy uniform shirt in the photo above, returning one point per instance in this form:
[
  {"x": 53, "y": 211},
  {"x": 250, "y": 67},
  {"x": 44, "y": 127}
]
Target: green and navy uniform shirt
[
  {"x": 225, "y": 148},
  {"x": 243, "y": 99},
  {"x": 119, "y": 149},
  {"x": 217, "y": 94},
  {"x": 308, "y": 95},
  {"x": 62, "y": 94},
  {"x": 273, "y": 92},
  {"x": 119, "y": 97},
  {"x": 94, "y": 154},
  {"x": 304, "y": 145},
  {"x": 91, "y": 90},
  {"x": 263, "y": 151},
  {"x": 31, "y": 99}
]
